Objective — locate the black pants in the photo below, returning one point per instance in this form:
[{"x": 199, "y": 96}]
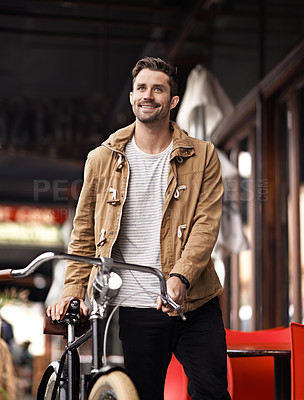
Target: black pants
[{"x": 149, "y": 337}]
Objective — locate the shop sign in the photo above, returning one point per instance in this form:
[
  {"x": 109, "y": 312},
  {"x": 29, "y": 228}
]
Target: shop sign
[{"x": 27, "y": 225}]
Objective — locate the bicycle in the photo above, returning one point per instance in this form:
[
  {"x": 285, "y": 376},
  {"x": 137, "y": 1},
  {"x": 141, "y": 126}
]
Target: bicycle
[{"x": 62, "y": 379}]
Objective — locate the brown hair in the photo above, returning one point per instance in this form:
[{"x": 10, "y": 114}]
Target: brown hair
[{"x": 157, "y": 64}]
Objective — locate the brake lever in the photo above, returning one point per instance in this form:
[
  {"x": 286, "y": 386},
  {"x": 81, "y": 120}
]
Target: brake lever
[{"x": 167, "y": 300}]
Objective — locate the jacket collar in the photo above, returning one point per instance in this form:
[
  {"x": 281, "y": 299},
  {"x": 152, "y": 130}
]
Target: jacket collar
[
  {"x": 118, "y": 140},
  {"x": 182, "y": 143}
]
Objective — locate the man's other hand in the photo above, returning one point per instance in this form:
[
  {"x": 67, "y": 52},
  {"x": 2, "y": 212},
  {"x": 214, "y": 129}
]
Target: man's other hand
[{"x": 176, "y": 290}]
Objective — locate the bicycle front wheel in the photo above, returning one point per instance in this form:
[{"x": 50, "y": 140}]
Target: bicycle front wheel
[
  {"x": 50, "y": 387},
  {"x": 114, "y": 386},
  {"x": 47, "y": 384}
]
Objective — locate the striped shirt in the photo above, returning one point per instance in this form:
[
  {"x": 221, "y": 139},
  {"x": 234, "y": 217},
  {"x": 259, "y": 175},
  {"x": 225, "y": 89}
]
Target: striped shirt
[{"x": 138, "y": 241}]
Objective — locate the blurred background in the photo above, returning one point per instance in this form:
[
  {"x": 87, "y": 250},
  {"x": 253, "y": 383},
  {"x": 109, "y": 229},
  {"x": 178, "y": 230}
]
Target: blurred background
[{"x": 65, "y": 77}]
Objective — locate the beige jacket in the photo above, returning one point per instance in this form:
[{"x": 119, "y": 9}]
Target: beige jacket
[{"x": 190, "y": 221}]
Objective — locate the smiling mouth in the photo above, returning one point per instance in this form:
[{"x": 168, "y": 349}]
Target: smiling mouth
[{"x": 148, "y": 106}]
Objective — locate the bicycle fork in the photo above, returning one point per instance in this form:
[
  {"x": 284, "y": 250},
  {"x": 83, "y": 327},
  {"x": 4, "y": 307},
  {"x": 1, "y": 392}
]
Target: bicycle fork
[
  {"x": 73, "y": 389},
  {"x": 73, "y": 368}
]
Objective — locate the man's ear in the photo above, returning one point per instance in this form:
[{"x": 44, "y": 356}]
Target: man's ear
[
  {"x": 131, "y": 97},
  {"x": 174, "y": 101}
]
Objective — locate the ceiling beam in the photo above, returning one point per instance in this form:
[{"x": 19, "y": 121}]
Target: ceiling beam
[
  {"x": 148, "y": 8},
  {"x": 86, "y": 36},
  {"x": 86, "y": 20},
  {"x": 190, "y": 24}
]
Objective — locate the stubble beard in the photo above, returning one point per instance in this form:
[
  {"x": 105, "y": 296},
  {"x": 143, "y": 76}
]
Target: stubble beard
[{"x": 160, "y": 114}]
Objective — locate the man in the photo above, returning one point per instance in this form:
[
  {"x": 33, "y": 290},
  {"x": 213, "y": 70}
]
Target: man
[{"x": 152, "y": 196}]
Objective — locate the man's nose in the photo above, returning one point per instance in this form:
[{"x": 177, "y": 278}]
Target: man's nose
[{"x": 149, "y": 94}]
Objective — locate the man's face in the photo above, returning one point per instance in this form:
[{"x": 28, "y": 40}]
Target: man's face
[{"x": 151, "y": 100}]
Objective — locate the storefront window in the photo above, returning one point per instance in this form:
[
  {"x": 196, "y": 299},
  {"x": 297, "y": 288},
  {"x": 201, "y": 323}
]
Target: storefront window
[
  {"x": 300, "y": 101},
  {"x": 246, "y": 198}
]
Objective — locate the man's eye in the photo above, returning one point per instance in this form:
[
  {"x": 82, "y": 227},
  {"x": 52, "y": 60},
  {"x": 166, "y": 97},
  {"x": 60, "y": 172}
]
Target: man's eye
[
  {"x": 157, "y": 90},
  {"x": 141, "y": 88}
]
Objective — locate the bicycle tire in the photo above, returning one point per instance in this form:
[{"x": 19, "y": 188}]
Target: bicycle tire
[
  {"x": 49, "y": 387},
  {"x": 47, "y": 383},
  {"x": 114, "y": 386}
]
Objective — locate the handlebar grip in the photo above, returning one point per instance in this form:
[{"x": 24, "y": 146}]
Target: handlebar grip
[
  {"x": 168, "y": 300},
  {"x": 52, "y": 328},
  {"x": 6, "y": 274},
  {"x": 55, "y": 328}
]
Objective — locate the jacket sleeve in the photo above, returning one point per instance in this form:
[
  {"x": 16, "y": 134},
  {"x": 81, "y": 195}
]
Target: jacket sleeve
[
  {"x": 202, "y": 236},
  {"x": 82, "y": 237}
]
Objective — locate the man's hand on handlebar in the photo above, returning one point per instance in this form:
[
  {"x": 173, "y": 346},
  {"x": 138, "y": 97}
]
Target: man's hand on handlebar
[
  {"x": 176, "y": 290},
  {"x": 57, "y": 310}
]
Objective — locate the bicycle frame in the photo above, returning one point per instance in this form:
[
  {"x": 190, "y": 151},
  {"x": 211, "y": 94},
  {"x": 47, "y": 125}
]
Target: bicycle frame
[{"x": 97, "y": 317}]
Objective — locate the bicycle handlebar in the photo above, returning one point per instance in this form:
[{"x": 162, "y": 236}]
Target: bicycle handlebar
[
  {"x": 103, "y": 262},
  {"x": 44, "y": 257}
]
